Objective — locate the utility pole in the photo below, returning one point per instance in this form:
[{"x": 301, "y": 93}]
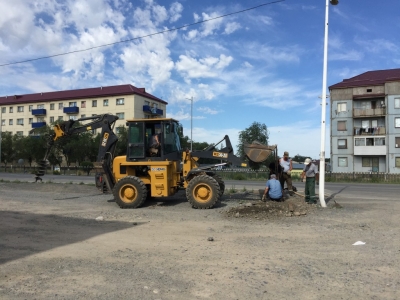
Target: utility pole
[{"x": 321, "y": 192}]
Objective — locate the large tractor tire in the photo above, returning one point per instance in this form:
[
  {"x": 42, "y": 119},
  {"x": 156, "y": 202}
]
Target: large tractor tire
[
  {"x": 221, "y": 184},
  {"x": 203, "y": 192},
  {"x": 130, "y": 192}
]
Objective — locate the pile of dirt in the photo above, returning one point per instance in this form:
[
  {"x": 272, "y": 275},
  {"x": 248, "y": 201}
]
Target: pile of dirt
[{"x": 293, "y": 206}]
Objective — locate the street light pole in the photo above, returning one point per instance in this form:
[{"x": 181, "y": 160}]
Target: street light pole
[
  {"x": 323, "y": 104},
  {"x": 191, "y": 123}
]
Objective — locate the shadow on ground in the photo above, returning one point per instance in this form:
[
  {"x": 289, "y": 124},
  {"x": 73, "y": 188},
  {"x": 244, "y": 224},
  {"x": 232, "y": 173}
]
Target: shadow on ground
[{"x": 24, "y": 234}]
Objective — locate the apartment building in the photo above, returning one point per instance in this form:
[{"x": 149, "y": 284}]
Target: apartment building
[
  {"x": 20, "y": 114},
  {"x": 365, "y": 123}
]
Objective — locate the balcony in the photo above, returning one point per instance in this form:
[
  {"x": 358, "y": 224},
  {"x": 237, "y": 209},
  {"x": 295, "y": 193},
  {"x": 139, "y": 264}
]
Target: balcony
[
  {"x": 369, "y": 131},
  {"x": 368, "y": 112},
  {"x": 153, "y": 111},
  {"x": 38, "y": 124},
  {"x": 39, "y": 112},
  {"x": 369, "y": 146},
  {"x": 71, "y": 110}
]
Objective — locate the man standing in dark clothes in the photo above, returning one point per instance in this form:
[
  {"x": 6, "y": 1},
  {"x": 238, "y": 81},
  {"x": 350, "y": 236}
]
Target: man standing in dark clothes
[{"x": 310, "y": 172}]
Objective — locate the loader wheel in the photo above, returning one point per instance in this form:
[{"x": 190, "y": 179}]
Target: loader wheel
[
  {"x": 221, "y": 184},
  {"x": 130, "y": 192},
  {"x": 203, "y": 192}
]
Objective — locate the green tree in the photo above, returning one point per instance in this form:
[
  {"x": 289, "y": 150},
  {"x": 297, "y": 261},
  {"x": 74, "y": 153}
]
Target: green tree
[
  {"x": 256, "y": 132},
  {"x": 122, "y": 144},
  {"x": 299, "y": 158},
  {"x": 7, "y": 150}
]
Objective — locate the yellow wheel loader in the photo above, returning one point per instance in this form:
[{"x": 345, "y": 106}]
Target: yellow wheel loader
[{"x": 151, "y": 169}]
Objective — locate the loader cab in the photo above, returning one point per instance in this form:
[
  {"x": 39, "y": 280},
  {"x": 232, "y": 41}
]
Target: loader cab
[{"x": 141, "y": 137}]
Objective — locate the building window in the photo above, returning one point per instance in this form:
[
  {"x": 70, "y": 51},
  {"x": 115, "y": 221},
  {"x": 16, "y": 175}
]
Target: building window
[
  {"x": 397, "y": 162},
  {"x": 341, "y": 126},
  {"x": 72, "y": 104},
  {"x": 121, "y": 116},
  {"x": 342, "y": 161},
  {"x": 3, "y": 122},
  {"x": 359, "y": 142},
  {"x": 342, "y": 107},
  {"x": 397, "y": 142},
  {"x": 83, "y": 116},
  {"x": 397, "y": 122},
  {"x": 20, "y": 109},
  {"x": 94, "y": 103},
  {"x": 10, "y": 122},
  {"x": 366, "y": 162},
  {"x": 120, "y": 101},
  {"x": 20, "y": 133},
  {"x": 105, "y": 102},
  {"x": 11, "y": 109},
  {"x": 60, "y": 105},
  {"x": 51, "y": 119},
  {"x": 30, "y": 107},
  {"x": 147, "y": 102},
  {"x": 30, "y": 121},
  {"x": 60, "y": 118},
  {"x": 20, "y": 121},
  {"x": 342, "y": 144},
  {"x": 379, "y": 141},
  {"x": 396, "y": 102},
  {"x": 3, "y": 110},
  {"x": 72, "y": 118},
  {"x": 51, "y": 106},
  {"x": 40, "y": 119},
  {"x": 40, "y": 106},
  {"x": 83, "y": 104}
]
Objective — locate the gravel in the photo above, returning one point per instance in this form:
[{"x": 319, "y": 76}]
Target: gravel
[{"x": 67, "y": 241}]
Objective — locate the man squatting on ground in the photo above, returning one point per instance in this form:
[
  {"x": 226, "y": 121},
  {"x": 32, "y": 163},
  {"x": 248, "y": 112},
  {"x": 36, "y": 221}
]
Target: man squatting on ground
[
  {"x": 273, "y": 189},
  {"x": 286, "y": 164},
  {"x": 310, "y": 172}
]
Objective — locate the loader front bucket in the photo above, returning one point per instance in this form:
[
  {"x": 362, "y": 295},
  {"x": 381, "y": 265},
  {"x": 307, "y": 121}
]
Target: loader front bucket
[{"x": 257, "y": 152}]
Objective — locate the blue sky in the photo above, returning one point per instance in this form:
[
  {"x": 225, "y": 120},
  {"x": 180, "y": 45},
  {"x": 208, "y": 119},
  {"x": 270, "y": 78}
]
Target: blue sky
[{"x": 263, "y": 65}]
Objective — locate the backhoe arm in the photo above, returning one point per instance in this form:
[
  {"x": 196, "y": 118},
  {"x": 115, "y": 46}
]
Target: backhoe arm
[{"x": 107, "y": 143}]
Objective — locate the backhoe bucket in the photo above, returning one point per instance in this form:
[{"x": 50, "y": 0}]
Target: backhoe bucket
[{"x": 257, "y": 152}]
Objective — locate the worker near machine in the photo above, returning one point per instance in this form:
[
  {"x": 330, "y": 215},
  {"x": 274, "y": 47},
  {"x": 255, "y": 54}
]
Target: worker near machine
[
  {"x": 310, "y": 172},
  {"x": 273, "y": 189},
  {"x": 275, "y": 168},
  {"x": 286, "y": 164},
  {"x": 154, "y": 144}
]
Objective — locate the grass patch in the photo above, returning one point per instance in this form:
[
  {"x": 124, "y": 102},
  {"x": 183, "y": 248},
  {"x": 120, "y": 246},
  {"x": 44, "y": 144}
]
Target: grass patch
[{"x": 232, "y": 190}]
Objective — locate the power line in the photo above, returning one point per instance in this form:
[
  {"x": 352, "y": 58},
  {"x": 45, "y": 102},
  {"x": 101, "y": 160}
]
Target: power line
[{"x": 141, "y": 37}]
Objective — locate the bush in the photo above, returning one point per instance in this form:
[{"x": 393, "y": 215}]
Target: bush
[
  {"x": 56, "y": 173},
  {"x": 238, "y": 176}
]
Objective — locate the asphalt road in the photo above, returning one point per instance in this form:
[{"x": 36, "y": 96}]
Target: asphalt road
[{"x": 362, "y": 191}]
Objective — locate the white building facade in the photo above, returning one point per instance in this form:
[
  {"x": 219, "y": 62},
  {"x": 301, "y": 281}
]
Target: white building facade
[{"x": 19, "y": 114}]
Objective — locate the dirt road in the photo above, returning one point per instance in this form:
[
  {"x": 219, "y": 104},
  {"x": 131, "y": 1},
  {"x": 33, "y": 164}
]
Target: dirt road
[{"x": 52, "y": 247}]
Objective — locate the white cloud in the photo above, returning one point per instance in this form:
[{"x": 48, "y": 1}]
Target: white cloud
[
  {"x": 190, "y": 67},
  {"x": 378, "y": 45},
  {"x": 291, "y": 137},
  {"x": 175, "y": 11},
  {"x": 231, "y": 27},
  {"x": 207, "y": 110},
  {"x": 348, "y": 55},
  {"x": 270, "y": 54}
]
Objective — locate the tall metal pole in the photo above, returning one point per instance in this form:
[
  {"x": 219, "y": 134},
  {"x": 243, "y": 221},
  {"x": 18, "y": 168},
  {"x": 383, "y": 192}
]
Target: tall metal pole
[{"x": 323, "y": 105}]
